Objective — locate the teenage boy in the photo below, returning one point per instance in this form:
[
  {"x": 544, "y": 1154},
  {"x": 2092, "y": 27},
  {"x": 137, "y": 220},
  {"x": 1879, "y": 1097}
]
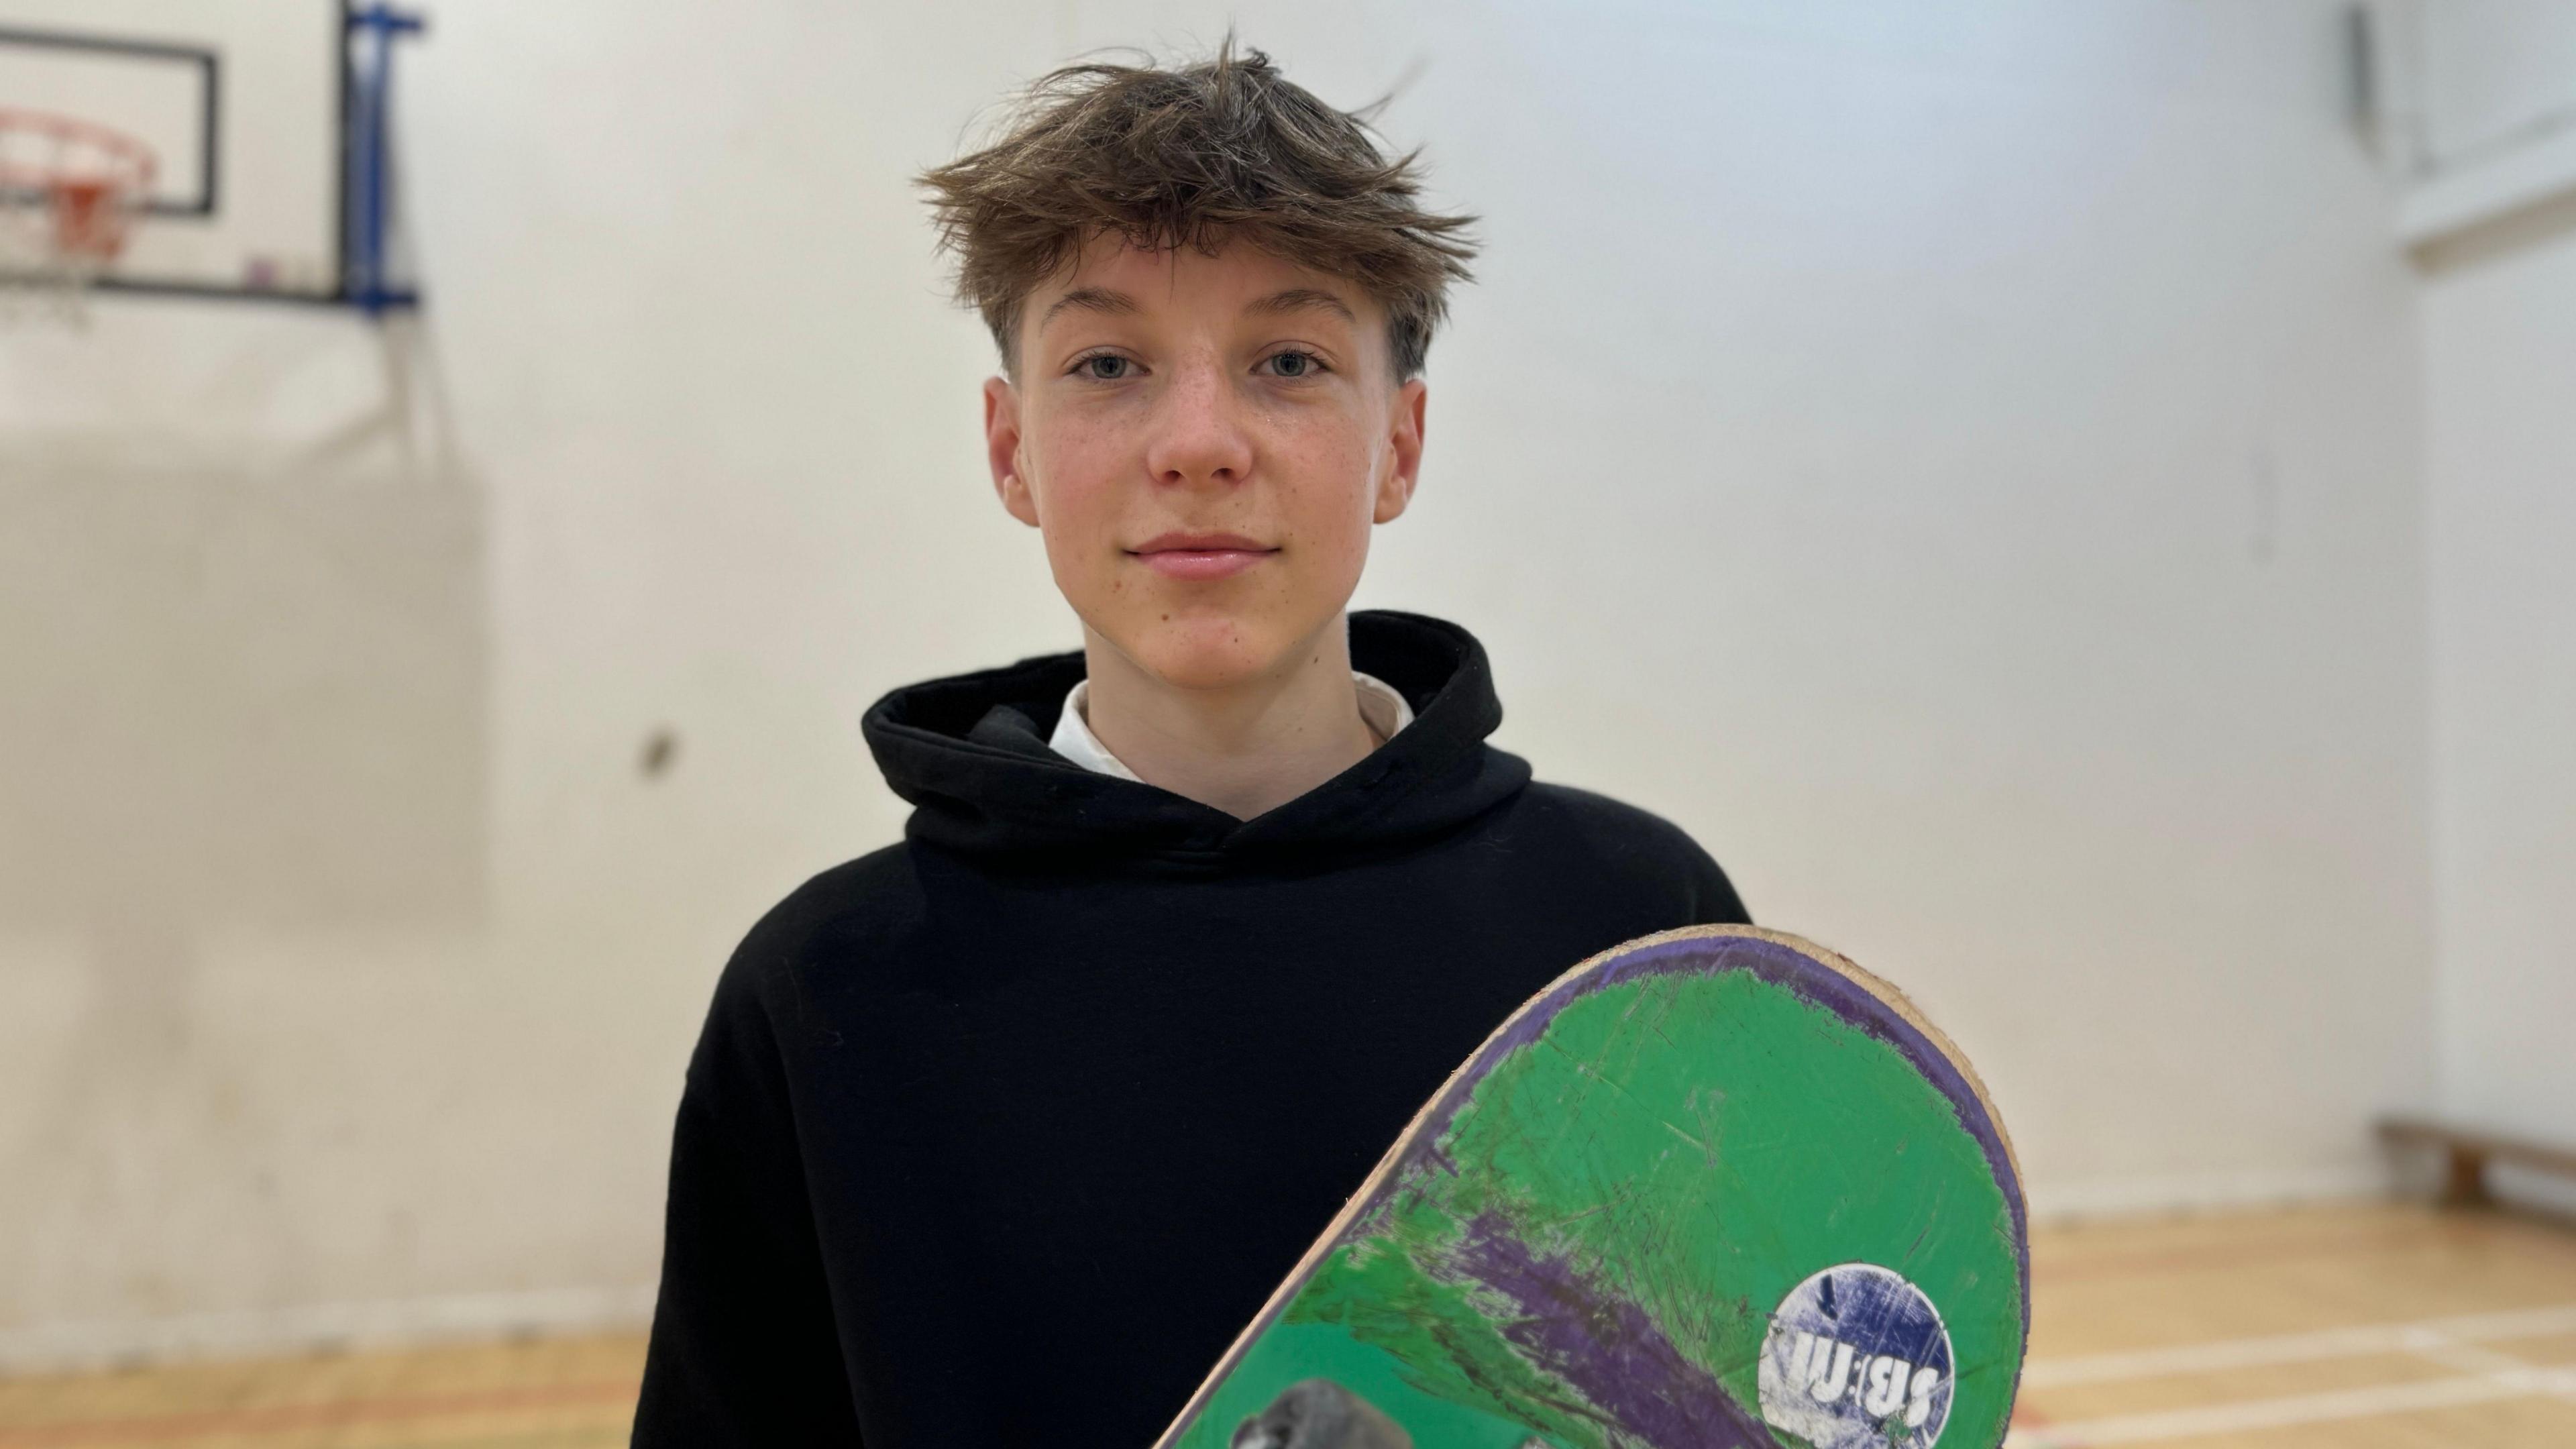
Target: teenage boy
[{"x": 1000, "y": 1135}]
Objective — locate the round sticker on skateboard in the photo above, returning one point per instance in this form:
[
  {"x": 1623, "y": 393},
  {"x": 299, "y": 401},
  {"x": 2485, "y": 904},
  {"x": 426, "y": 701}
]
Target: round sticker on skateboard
[{"x": 1857, "y": 1358}]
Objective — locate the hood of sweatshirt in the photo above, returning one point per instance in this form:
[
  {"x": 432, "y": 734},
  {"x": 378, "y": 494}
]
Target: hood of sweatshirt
[{"x": 969, "y": 752}]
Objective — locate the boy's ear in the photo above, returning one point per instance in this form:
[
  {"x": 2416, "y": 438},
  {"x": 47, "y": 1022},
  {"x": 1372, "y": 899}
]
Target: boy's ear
[
  {"x": 1002, "y": 450},
  {"x": 1403, "y": 453}
]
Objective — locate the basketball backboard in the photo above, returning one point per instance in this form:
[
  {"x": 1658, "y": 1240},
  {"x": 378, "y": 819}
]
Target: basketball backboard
[{"x": 247, "y": 109}]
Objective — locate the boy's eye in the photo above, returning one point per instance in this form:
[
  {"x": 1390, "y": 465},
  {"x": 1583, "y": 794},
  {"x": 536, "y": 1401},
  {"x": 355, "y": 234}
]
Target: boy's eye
[
  {"x": 1103, "y": 367},
  {"x": 1293, "y": 363}
]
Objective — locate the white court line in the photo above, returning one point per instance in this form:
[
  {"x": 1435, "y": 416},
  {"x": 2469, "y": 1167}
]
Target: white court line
[
  {"x": 2298, "y": 1347},
  {"x": 2468, "y": 1358},
  {"x": 2451, "y": 1342},
  {"x": 2299, "y": 1409}
]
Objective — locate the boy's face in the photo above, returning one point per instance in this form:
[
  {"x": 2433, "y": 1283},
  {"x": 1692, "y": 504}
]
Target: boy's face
[{"x": 1204, "y": 442}]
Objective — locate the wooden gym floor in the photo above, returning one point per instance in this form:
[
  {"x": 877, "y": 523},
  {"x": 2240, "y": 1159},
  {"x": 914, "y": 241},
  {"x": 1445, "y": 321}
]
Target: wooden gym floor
[{"x": 2363, "y": 1327}]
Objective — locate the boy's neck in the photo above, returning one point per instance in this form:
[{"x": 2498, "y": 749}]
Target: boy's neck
[{"x": 1244, "y": 750}]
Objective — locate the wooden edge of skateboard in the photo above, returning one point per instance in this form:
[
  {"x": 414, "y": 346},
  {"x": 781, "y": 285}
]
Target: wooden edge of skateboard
[{"x": 1877, "y": 986}]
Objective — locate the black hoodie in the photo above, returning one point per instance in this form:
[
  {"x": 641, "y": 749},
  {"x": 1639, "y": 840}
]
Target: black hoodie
[{"x": 1000, "y": 1135}]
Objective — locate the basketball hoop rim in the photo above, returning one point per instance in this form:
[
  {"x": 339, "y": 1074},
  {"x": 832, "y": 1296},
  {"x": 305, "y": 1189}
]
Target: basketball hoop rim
[
  {"x": 87, "y": 181},
  {"x": 137, "y": 162}
]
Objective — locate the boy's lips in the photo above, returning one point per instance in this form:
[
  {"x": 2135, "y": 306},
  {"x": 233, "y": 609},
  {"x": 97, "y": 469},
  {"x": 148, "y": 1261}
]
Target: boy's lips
[{"x": 1200, "y": 555}]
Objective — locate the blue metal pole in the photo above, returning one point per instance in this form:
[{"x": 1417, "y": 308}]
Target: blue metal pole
[{"x": 371, "y": 76}]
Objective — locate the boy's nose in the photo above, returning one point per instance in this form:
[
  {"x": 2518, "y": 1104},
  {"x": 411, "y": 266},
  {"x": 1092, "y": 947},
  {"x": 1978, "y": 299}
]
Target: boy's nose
[{"x": 1198, "y": 434}]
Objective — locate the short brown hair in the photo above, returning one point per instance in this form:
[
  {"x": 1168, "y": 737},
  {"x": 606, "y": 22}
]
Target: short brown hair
[{"x": 1223, "y": 149}]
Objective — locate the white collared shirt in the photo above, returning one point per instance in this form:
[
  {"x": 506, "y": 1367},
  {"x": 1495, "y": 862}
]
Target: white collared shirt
[{"x": 1381, "y": 706}]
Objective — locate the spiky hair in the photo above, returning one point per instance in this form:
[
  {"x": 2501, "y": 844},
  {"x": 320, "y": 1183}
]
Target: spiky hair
[{"x": 1222, "y": 150}]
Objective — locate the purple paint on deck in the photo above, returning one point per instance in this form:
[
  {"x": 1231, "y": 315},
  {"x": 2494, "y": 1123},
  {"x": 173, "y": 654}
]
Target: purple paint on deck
[{"x": 1605, "y": 1346}]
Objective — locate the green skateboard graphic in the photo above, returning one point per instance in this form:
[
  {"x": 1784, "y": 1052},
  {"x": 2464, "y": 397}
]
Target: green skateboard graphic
[{"x": 1716, "y": 1187}]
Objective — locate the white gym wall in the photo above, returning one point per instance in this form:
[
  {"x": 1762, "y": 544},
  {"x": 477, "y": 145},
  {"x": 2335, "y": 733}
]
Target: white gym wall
[
  {"x": 2500, "y": 367},
  {"x": 1966, "y": 465}
]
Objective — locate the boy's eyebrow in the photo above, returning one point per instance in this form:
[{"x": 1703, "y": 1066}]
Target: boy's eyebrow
[
  {"x": 1089, "y": 299},
  {"x": 1299, "y": 298}
]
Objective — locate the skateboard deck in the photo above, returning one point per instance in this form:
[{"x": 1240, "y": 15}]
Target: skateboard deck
[{"x": 1716, "y": 1187}]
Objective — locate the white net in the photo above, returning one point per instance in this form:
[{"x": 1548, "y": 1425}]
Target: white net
[{"x": 38, "y": 281}]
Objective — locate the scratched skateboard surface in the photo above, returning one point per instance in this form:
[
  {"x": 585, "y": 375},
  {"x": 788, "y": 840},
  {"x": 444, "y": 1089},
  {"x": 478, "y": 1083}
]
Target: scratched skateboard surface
[{"x": 1716, "y": 1187}]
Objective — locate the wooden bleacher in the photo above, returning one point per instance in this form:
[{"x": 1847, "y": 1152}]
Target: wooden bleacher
[{"x": 2466, "y": 1153}]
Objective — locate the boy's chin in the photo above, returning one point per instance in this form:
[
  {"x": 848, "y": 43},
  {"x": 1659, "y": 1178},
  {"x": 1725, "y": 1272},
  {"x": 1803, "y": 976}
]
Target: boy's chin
[{"x": 1212, "y": 652}]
